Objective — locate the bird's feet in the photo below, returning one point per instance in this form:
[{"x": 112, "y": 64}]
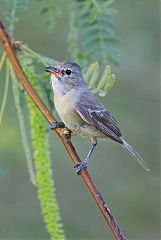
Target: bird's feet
[
  {"x": 80, "y": 167},
  {"x": 66, "y": 132},
  {"x": 56, "y": 124}
]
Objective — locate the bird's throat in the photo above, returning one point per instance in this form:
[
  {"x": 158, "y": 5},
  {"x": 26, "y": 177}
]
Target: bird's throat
[{"x": 58, "y": 87}]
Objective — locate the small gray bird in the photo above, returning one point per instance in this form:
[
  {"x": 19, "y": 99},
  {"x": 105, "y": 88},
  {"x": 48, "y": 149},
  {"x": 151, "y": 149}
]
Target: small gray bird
[{"x": 81, "y": 112}]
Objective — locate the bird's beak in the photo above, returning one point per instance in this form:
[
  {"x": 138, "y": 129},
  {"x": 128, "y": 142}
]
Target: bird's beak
[{"x": 53, "y": 70}]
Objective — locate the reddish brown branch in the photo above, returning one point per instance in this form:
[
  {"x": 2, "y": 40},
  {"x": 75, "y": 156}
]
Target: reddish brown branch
[{"x": 10, "y": 52}]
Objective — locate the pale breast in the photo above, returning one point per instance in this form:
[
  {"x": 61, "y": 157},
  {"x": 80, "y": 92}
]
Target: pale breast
[{"x": 65, "y": 106}]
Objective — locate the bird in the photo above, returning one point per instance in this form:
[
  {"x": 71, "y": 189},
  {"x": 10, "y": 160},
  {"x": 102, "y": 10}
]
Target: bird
[{"x": 81, "y": 111}]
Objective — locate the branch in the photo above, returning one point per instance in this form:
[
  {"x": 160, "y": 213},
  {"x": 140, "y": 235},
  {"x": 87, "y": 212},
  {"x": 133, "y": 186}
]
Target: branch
[{"x": 11, "y": 55}]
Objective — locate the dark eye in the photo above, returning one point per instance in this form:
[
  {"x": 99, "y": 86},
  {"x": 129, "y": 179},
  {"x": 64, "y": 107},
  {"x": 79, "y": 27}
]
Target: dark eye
[{"x": 68, "y": 71}]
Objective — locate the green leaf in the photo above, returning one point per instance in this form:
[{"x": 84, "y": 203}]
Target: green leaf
[
  {"x": 92, "y": 74},
  {"x": 105, "y": 76},
  {"x": 105, "y": 83}
]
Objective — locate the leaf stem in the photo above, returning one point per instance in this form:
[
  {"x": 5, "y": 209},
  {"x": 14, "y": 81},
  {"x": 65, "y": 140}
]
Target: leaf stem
[
  {"x": 96, "y": 5},
  {"x": 2, "y": 60},
  {"x": 4, "y": 99}
]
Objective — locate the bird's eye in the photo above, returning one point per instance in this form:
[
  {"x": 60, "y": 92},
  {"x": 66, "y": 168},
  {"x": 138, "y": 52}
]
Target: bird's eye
[{"x": 68, "y": 71}]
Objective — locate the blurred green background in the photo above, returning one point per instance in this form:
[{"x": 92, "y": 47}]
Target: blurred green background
[{"x": 132, "y": 194}]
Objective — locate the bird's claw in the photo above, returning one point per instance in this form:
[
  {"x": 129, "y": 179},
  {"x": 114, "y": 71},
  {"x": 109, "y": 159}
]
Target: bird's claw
[
  {"x": 80, "y": 167},
  {"x": 56, "y": 124}
]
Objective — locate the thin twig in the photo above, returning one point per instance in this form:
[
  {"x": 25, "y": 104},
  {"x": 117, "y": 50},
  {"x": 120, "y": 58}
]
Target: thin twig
[{"x": 10, "y": 52}]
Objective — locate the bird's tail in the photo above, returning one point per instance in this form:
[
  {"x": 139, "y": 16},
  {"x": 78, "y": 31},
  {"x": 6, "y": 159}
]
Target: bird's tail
[{"x": 133, "y": 152}]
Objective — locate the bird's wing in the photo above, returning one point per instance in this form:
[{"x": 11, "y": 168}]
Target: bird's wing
[{"x": 100, "y": 118}]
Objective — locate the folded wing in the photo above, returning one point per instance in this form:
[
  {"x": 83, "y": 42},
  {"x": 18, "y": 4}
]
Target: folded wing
[{"x": 101, "y": 119}]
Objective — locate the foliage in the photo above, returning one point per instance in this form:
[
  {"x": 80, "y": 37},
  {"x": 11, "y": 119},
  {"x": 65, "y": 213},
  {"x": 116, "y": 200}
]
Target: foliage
[
  {"x": 92, "y": 31},
  {"x": 44, "y": 180}
]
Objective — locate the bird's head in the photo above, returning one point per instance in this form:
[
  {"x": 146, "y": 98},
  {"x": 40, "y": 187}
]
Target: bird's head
[{"x": 67, "y": 73}]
